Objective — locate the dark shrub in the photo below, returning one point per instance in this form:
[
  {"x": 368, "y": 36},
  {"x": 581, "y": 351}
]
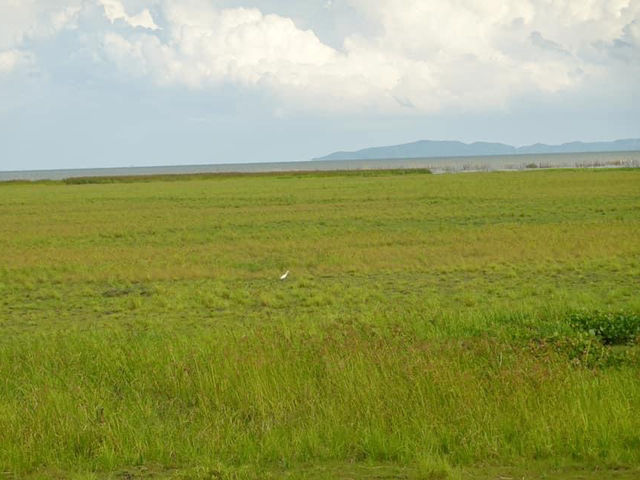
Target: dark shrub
[{"x": 612, "y": 328}]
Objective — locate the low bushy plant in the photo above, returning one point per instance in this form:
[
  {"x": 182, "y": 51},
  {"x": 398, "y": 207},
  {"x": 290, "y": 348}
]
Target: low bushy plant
[{"x": 612, "y": 328}]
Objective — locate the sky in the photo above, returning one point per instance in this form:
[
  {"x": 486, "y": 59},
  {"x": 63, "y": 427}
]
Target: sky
[{"x": 110, "y": 83}]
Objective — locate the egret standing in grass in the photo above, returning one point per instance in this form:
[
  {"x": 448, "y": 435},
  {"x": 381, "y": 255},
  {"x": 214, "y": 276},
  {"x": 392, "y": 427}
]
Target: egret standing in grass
[{"x": 284, "y": 275}]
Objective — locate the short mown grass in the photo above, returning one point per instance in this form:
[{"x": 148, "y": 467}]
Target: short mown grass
[{"x": 454, "y": 326}]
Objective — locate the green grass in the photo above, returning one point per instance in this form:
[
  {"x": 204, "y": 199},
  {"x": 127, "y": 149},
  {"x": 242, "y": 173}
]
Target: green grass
[{"x": 427, "y": 330}]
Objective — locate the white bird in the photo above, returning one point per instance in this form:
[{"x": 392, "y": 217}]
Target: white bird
[{"x": 284, "y": 275}]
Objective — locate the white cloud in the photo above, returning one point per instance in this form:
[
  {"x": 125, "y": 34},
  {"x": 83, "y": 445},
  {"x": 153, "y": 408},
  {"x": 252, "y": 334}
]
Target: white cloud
[
  {"x": 23, "y": 21},
  {"x": 418, "y": 55},
  {"x": 428, "y": 55},
  {"x": 34, "y": 19},
  {"x": 11, "y": 60},
  {"x": 484, "y": 53},
  {"x": 242, "y": 46},
  {"x": 114, "y": 10}
]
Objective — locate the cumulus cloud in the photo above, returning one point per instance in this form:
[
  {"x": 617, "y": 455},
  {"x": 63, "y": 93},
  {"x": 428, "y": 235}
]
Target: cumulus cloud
[
  {"x": 427, "y": 55},
  {"x": 418, "y": 55},
  {"x": 23, "y": 20},
  {"x": 114, "y": 10},
  {"x": 11, "y": 60},
  {"x": 27, "y": 21},
  {"x": 496, "y": 49},
  {"x": 208, "y": 46},
  {"x": 247, "y": 48}
]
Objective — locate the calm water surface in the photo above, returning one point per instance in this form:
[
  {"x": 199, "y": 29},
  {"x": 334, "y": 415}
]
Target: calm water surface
[{"x": 437, "y": 165}]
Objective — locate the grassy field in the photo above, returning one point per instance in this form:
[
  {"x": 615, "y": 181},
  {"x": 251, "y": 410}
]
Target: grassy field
[{"x": 432, "y": 326}]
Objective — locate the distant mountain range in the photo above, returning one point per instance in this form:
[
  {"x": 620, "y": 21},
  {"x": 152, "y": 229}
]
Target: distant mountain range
[{"x": 435, "y": 148}]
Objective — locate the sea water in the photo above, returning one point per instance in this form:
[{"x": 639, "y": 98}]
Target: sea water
[{"x": 436, "y": 164}]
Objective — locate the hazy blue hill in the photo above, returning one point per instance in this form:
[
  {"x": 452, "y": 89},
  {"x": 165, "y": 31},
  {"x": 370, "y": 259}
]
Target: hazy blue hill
[
  {"x": 629, "y": 144},
  {"x": 433, "y": 148},
  {"x": 424, "y": 148}
]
